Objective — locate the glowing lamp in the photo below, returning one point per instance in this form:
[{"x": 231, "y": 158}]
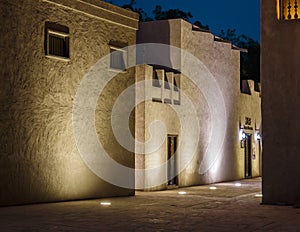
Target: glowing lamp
[
  {"x": 242, "y": 135},
  {"x": 105, "y": 203},
  {"x": 181, "y": 193},
  {"x": 257, "y": 135}
]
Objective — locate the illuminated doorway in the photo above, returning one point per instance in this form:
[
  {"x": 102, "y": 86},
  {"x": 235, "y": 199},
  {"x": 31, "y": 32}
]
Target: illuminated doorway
[
  {"x": 172, "y": 161},
  {"x": 248, "y": 156}
]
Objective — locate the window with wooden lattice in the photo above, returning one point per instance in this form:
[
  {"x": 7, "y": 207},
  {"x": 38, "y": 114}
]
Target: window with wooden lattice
[{"x": 288, "y": 9}]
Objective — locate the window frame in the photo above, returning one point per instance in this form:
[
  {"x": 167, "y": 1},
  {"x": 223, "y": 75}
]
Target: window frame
[
  {"x": 61, "y": 32},
  {"x": 167, "y": 84},
  {"x": 124, "y": 56},
  {"x": 156, "y": 82},
  {"x": 282, "y": 10}
]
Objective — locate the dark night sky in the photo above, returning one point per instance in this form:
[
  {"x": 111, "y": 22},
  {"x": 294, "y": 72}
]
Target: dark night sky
[{"x": 242, "y": 15}]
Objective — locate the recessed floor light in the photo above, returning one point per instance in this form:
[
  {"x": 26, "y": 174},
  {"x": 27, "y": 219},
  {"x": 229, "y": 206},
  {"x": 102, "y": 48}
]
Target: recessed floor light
[
  {"x": 238, "y": 184},
  {"x": 258, "y": 195},
  {"x": 182, "y": 193},
  {"x": 105, "y": 203},
  {"x": 213, "y": 188}
]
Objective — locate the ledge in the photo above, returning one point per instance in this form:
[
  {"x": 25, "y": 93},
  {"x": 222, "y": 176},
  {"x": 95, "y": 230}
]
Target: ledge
[
  {"x": 64, "y": 59},
  {"x": 101, "y": 10}
]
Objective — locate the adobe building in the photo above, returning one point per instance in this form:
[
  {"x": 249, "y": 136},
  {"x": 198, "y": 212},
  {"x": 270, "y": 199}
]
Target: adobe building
[
  {"x": 50, "y": 47},
  {"x": 47, "y": 47},
  {"x": 280, "y": 36},
  {"x": 212, "y": 127}
]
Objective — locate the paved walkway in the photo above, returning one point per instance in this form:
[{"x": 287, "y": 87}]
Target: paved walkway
[{"x": 226, "y": 208}]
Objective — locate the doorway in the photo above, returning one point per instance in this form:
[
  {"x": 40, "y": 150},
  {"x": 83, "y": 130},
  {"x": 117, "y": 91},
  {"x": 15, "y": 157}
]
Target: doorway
[
  {"x": 260, "y": 157},
  {"x": 172, "y": 161},
  {"x": 248, "y": 156}
]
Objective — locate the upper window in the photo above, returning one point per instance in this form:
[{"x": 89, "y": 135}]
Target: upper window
[
  {"x": 155, "y": 79},
  {"x": 117, "y": 58},
  {"x": 118, "y": 55},
  {"x": 287, "y": 9},
  {"x": 175, "y": 85},
  {"x": 166, "y": 84},
  {"x": 57, "y": 40}
]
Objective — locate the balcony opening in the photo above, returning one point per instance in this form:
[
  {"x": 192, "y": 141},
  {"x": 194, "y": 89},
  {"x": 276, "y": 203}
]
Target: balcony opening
[{"x": 288, "y": 9}]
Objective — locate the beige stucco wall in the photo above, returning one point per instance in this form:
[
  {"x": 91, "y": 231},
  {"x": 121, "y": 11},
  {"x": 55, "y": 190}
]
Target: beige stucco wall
[
  {"x": 250, "y": 107},
  {"x": 39, "y": 160},
  {"x": 280, "y": 111},
  {"x": 223, "y": 62}
]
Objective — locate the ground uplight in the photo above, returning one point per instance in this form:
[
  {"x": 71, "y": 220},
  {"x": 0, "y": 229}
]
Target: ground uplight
[{"x": 105, "y": 203}]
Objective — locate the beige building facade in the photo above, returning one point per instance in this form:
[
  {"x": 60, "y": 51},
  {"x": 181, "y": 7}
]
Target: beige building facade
[
  {"x": 212, "y": 129},
  {"x": 280, "y": 35},
  {"x": 47, "y": 47},
  {"x": 193, "y": 127}
]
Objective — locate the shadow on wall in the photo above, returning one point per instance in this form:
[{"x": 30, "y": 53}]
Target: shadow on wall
[{"x": 153, "y": 34}]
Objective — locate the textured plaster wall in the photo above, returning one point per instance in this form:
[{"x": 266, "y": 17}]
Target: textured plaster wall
[
  {"x": 158, "y": 111},
  {"x": 141, "y": 72},
  {"x": 39, "y": 160},
  {"x": 147, "y": 113},
  {"x": 250, "y": 107},
  {"x": 224, "y": 64},
  {"x": 280, "y": 111}
]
